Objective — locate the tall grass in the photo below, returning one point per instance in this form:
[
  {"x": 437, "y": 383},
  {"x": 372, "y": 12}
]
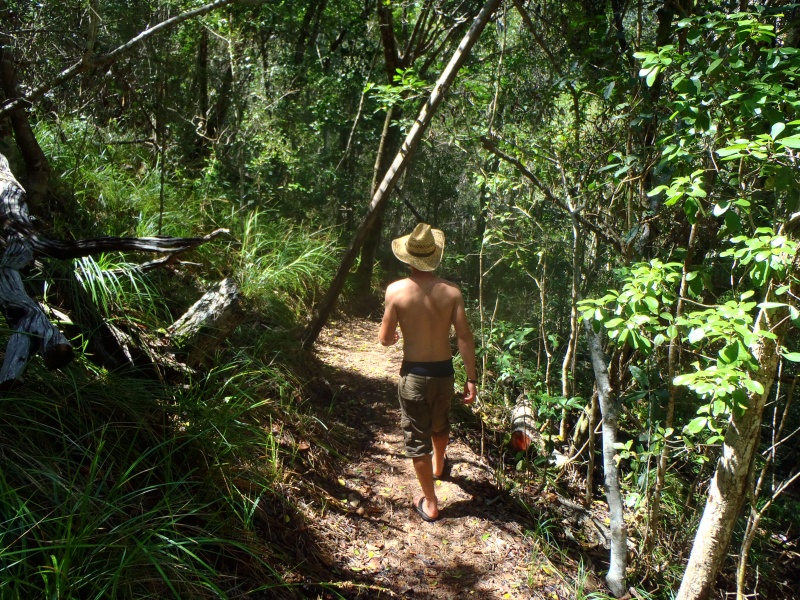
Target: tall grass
[
  {"x": 123, "y": 488},
  {"x": 277, "y": 257},
  {"x": 117, "y": 287}
]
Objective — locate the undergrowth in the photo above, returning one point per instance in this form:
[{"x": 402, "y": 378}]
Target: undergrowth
[{"x": 116, "y": 484}]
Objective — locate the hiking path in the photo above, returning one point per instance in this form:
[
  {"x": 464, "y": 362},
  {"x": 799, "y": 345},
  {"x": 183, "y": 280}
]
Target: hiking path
[{"x": 370, "y": 533}]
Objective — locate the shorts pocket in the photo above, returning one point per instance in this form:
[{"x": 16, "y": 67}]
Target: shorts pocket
[{"x": 412, "y": 389}]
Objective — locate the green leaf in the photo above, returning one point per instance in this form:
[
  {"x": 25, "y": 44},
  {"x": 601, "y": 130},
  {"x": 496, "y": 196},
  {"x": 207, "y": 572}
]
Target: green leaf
[
  {"x": 729, "y": 353},
  {"x": 713, "y": 66},
  {"x": 657, "y": 190},
  {"x": 718, "y": 407},
  {"x": 753, "y": 386},
  {"x": 684, "y": 379},
  {"x": 696, "y": 425},
  {"x": 790, "y": 142},
  {"x": 791, "y": 356},
  {"x": 776, "y": 130},
  {"x": 770, "y": 305},
  {"x": 721, "y": 208},
  {"x": 651, "y": 77},
  {"x": 640, "y": 376},
  {"x": 652, "y": 304},
  {"x": 696, "y": 334}
]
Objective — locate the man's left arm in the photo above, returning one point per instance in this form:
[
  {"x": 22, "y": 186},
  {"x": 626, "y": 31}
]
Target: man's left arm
[{"x": 466, "y": 348}]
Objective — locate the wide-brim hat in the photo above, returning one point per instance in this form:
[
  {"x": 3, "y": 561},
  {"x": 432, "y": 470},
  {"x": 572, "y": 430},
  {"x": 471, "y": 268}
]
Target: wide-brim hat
[{"x": 422, "y": 248}]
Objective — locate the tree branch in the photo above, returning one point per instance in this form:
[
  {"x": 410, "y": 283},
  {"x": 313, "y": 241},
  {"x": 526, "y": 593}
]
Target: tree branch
[
  {"x": 87, "y": 63},
  {"x": 608, "y": 237}
]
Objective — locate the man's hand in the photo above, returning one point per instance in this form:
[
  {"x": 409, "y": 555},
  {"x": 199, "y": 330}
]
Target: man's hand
[{"x": 470, "y": 392}]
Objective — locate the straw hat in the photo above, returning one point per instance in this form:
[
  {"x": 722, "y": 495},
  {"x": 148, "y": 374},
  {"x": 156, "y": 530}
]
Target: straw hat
[{"x": 422, "y": 249}]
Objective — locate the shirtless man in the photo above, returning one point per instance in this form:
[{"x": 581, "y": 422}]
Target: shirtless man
[{"x": 425, "y": 307}]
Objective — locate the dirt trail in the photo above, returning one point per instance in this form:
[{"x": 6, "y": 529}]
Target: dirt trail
[{"x": 371, "y": 534}]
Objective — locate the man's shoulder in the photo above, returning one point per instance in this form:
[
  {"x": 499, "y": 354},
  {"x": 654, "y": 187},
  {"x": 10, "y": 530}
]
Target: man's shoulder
[
  {"x": 449, "y": 286},
  {"x": 398, "y": 285}
]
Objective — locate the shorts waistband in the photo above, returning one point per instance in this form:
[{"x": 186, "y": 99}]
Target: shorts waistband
[{"x": 437, "y": 368}]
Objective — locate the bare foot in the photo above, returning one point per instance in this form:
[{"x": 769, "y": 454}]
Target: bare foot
[{"x": 420, "y": 504}]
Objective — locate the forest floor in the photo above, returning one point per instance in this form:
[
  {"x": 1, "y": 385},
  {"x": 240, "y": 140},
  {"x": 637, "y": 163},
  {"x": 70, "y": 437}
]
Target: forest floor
[{"x": 368, "y": 533}]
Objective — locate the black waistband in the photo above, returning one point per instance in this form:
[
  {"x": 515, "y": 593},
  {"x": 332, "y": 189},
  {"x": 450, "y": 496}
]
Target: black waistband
[{"x": 437, "y": 368}]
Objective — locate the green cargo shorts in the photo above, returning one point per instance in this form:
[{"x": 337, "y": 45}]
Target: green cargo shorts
[{"x": 425, "y": 408}]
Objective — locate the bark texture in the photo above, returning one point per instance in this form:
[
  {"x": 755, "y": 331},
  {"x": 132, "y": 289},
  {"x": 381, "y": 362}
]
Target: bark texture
[
  {"x": 208, "y": 322},
  {"x": 609, "y": 407},
  {"x": 38, "y": 168}
]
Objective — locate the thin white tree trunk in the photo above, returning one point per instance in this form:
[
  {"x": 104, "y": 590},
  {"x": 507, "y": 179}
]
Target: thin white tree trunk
[
  {"x": 609, "y": 408},
  {"x": 727, "y": 489}
]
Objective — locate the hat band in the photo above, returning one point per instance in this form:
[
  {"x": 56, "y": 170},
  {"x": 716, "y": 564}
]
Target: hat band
[{"x": 421, "y": 254}]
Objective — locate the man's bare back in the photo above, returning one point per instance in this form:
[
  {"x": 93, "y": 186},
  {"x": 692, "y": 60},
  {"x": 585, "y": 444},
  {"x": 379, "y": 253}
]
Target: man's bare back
[{"x": 425, "y": 308}]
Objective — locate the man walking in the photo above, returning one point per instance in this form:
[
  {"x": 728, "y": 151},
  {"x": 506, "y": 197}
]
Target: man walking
[{"x": 425, "y": 307}]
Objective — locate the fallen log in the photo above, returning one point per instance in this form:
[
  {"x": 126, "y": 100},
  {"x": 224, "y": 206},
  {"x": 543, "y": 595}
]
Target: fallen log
[
  {"x": 523, "y": 425},
  {"x": 210, "y": 320},
  {"x": 32, "y": 331}
]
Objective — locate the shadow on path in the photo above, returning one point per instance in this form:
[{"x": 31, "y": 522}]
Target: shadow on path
[{"x": 359, "y": 509}]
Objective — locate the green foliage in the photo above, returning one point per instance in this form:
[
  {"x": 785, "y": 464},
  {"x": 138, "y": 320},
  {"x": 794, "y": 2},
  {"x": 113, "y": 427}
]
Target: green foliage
[
  {"x": 735, "y": 93},
  {"x": 407, "y": 88},
  {"x": 767, "y": 256},
  {"x": 508, "y": 352},
  {"x": 118, "y": 288},
  {"x": 283, "y": 260},
  {"x": 638, "y": 314}
]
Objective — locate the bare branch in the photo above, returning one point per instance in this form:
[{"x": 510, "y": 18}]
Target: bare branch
[
  {"x": 87, "y": 63},
  {"x": 607, "y": 236}
]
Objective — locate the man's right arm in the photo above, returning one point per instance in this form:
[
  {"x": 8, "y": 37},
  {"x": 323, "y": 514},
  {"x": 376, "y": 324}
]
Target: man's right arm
[
  {"x": 388, "y": 335},
  {"x": 466, "y": 347}
]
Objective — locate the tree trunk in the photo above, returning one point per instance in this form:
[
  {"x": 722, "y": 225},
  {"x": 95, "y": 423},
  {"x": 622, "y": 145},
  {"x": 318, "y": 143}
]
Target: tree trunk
[
  {"x": 201, "y": 84},
  {"x": 381, "y": 195},
  {"x": 609, "y": 408},
  {"x": 593, "y": 410},
  {"x": 36, "y": 164},
  {"x": 308, "y": 30},
  {"x": 389, "y": 140},
  {"x": 567, "y": 367},
  {"x": 727, "y": 489}
]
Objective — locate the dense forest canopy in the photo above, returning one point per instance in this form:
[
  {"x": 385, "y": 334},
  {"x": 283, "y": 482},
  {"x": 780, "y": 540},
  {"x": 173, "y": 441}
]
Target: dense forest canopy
[{"x": 619, "y": 186}]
